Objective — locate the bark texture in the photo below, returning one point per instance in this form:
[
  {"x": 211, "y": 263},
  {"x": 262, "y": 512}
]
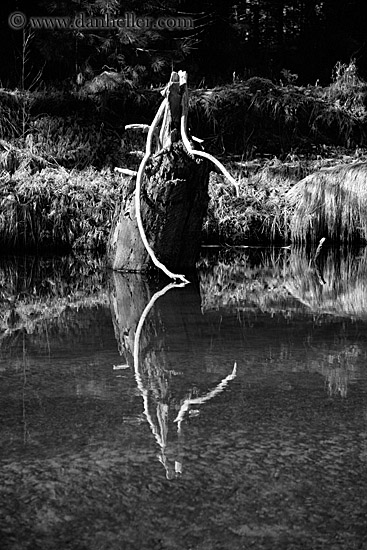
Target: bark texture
[{"x": 174, "y": 201}]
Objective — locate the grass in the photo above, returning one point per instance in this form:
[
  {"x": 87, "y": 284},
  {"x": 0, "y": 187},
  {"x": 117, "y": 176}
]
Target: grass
[
  {"x": 268, "y": 206},
  {"x": 258, "y": 214},
  {"x": 331, "y": 203},
  {"x": 57, "y": 210},
  {"x": 58, "y": 190},
  {"x": 247, "y": 118}
]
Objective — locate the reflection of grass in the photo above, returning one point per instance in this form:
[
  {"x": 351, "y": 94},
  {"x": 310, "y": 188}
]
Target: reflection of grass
[
  {"x": 235, "y": 281},
  {"x": 338, "y": 367},
  {"x": 337, "y": 284},
  {"x": 34, "y": 291},
  {"x": 286, "y": 284}
]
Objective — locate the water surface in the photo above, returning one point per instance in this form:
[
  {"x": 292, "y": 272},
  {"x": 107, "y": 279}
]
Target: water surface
[{"x": 227, "y": 414}]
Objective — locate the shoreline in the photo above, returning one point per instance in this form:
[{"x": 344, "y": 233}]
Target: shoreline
[{"x": 59, "y": 210}]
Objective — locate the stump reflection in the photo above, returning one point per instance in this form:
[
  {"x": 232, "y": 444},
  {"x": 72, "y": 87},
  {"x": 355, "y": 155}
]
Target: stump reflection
[{"x": 157, "y": 331}]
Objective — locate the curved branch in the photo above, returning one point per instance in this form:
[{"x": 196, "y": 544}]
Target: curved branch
[
  {"x": 139, "y": 178},
  {"x": 194, "y": 152},
  {"x": 215, "y": 161}
]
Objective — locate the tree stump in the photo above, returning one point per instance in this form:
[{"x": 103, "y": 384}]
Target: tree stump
[{"x": 173, "y": 199}]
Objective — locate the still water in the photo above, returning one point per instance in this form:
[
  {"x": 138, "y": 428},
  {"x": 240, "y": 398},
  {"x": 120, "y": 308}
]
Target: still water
[{"x": 230, "y": 413}]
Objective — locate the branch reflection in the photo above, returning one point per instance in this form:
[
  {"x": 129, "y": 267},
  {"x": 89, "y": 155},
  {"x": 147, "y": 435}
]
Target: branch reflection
[{"x": 161, "y": 345}]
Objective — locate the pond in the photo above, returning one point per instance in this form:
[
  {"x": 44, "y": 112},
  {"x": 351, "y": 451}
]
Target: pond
[{"x": 230, "y": 413}]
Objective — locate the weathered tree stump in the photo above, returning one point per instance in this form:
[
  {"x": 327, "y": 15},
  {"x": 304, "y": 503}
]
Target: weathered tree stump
[
  {"x": 174, "y": 202},
  {"x": 170, "y": 197}
]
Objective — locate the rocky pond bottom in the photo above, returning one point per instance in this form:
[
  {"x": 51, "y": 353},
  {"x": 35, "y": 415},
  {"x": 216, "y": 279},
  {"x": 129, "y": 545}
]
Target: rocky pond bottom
[{"x": 227, "y": 414}]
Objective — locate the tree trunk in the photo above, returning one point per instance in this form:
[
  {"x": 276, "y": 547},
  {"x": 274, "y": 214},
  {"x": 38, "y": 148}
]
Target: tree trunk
[
  {"x": 172, "y": 191},
  {"x": 174, "y": 201}
]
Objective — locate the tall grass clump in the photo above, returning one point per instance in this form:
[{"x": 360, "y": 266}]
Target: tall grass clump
[
  {"x": 11, "y": 105},
  {"x": 259, "y": 214},
  {"x": 348, "y": 90},
  {"x": 343, "y": 108},
  {"x": 57, "y": 210},
  {"x": 331, "y": 203}
]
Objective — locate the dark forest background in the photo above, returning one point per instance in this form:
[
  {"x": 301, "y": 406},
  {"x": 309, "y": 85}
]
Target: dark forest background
[{"x": 299, "y": 41}]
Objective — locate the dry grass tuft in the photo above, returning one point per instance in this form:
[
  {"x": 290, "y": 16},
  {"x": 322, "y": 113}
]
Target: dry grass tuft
[
  {"x": 331, "y": 203},
  {"x": 258, "y": 214}
]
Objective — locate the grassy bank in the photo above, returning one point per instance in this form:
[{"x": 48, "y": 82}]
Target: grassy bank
[
  {"x": 56, "y": 209},
  {"x": 58, "y": 150},
  {"x": 262, "y": 212}
]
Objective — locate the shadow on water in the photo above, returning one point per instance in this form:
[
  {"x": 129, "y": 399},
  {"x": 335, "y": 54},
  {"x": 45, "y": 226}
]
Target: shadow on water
[{"x": 228, "y": 413}]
